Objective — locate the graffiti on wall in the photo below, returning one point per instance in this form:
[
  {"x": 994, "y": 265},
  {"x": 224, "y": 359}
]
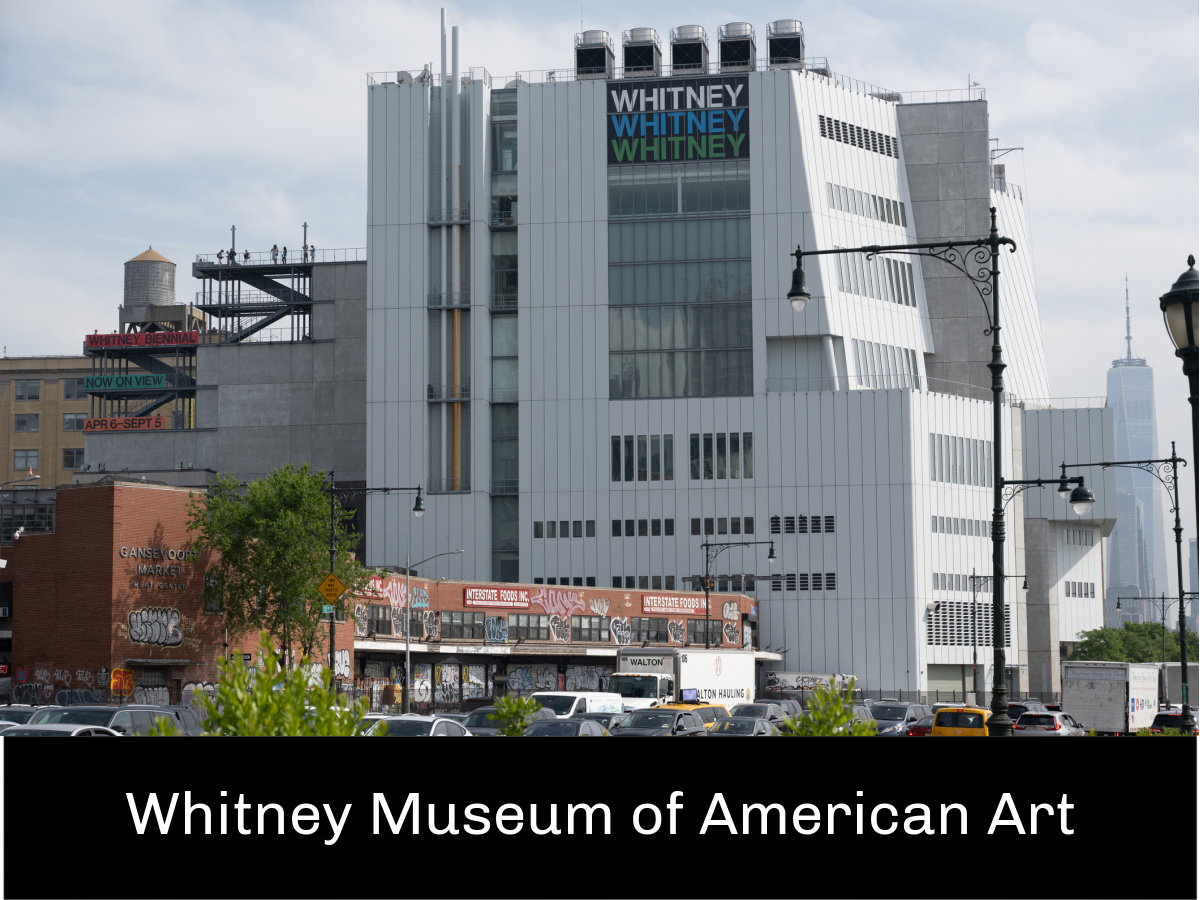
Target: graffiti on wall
[
  {"x": 394, "y": 591},
  {"x": 122, "y": 682},
  {"x": 472, "y": 687},
  {"x": 496, "y": 629},
  {"x": 587, "y": 678},
  {"x": 32, "y": 693},
  {"x": 620, "y": 630},
  {"x": 599, "y": 606},
  {"x": 156, "y": 695},
  {"x": 560, "y": 628},
  {"x": 732, "y": 633},
  {"x": 360, "y": 620},
  {"x": 431, "y": 622},
  {"x": 446, "y": 683},
  {"x": 422, "y": 681},
  {"x": 522, "y": 679},
  {"x": 560, "y": 603},
  {"x": 677, "y": 631},
  {"x": 730, "y": 611},
  {"x": 341, "y": 664},
  {"x": 155, "y": 625}
]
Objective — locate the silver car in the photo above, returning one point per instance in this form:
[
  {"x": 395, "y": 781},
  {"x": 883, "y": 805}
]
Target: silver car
[{"x": 1048, "y": 724}]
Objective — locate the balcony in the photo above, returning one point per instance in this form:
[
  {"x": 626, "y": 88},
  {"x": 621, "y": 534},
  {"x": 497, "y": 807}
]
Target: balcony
[
  {"x": 504, "y": 487},
  {"x": 448, "y": 392},
  {"x": 449, "y": 300},
  {"x": 449, "y": 215},
  {"x": 449, "y": 485}
]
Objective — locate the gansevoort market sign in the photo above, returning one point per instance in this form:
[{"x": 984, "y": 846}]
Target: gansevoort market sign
[{"x": 678, "y": 120}]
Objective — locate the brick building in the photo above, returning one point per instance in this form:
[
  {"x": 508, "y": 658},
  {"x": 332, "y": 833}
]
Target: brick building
[{"x": 112, "y": 604}]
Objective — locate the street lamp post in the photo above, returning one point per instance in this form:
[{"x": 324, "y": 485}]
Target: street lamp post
[
  {"x": 408, "y": 625},
  {"x": 976, "y": 580},
  {"x": 1179, "y": 309},
  {"x": 418, "y": 511},
  {"x": 711, "y": 552},
  {"x": 1167, "y": 473},
  {"x": 971, "y": 258}
]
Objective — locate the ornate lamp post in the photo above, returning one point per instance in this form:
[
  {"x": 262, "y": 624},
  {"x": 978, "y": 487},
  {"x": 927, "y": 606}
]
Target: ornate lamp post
[
  {"x": 1167, "y": 473},
  {"x": 971, "y": 258},
  {"x": 1179, "y": 309},
  {"x": 711, "y": 552},
  {"x": 418, "y": 511}
]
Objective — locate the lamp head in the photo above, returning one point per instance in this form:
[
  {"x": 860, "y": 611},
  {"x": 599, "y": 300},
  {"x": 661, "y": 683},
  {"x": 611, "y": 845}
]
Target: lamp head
[
  {"x": 1179, "y": 308},
  {"x": 1082, "y": 500},
  {"x": 1118, "y": 603},
  {"x": 419, "y": 506},
  {"x": 1025, "y": 584},
  {"x": 798, "y": 294},
  {"x": 771, "y": 557}
]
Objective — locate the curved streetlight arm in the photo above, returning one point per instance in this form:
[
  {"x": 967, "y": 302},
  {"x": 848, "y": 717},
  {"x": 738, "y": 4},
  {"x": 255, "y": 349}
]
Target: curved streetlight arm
[
  {"x": 1014, "y": 486},
  {"x": 1165, "y": 470},
  {"x": 711, "y": 552}
]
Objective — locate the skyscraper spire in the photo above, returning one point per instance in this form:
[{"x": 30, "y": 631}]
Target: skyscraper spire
[{"x": 1128, "y": 335}]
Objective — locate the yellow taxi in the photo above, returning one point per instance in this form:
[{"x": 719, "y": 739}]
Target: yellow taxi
[
  {"x": 961, "y": 721},
  {"x": 709, "y": 713}
]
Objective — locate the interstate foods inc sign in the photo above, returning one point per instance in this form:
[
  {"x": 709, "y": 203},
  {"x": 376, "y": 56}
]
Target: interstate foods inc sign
[{"x": 678, "y": 120}]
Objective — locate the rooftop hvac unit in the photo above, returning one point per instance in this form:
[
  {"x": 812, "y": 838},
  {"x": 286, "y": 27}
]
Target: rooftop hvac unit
[
  {"x": 736, "y": 47},
  {"x": 642, "y": 53},
  {"x": 594, "y": 55},
  {"x": 689, "y": 49},
  {"x": 785, "y": 44}
]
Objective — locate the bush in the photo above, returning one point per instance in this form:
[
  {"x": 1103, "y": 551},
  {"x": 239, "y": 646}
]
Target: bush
[
  {"x": 513, "y": 714},
  {"x": 831, "y": 715},
  {"x": 274, "y": 702}
]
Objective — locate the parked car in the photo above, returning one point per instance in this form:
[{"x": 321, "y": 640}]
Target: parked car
[
  {"x": 607, "y": 721},
  {"x": 1018, "y": 708},
  {"x": 863, "y": 714},
  {"x": 922, "y": 727},
  {"x": 656, "y": 722},
  {"x": 575, "y": 726},
  {"x": 18, "y": 713},
  {"x": 188, "y": 720},
  {"x": 895, "y": 718},
  {"x": 454, "y": 716},
  {"x": 772, "y": 712},
  {"x": 961, "y": 721},
  {"x": 1170, "y": 718},
  {"x": 480, "y": 725},
  {"x": 1047, "y": 724},
  {"x": 59, "y": 730},
  {"x": 708, "y": 712},
  {"x": 413, "y": 725},
  {"x": 128, "y": 719},
  {"x": 743, "y": 726}
]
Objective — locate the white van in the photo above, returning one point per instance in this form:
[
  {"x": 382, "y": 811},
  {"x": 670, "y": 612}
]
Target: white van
[{"x": 567, "y": 703}]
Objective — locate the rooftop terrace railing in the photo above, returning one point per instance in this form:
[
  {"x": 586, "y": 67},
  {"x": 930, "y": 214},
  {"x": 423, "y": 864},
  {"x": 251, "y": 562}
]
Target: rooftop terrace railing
[{"x": 295, "y": 255}]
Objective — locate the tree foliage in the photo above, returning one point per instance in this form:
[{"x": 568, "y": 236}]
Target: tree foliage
[
  {"x": 273, "y": 702},
  {"x": 272, "y": 537},
  {"x": 513, "y": 714},
  {"x": 831, "y": 714},
  {"x": 1135, "y": 642}
]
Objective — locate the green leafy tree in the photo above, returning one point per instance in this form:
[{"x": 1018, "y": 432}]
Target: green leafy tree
[
  {"x": 272, "y": 541},
  {"x": 513, "y": 714},
  {"x": 1135, "y": 642},
  {"x": 831, "y": 714},
  {"x": 273, "y": 702}
]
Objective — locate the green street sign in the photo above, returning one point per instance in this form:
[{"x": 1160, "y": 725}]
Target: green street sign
[{"x": 326, "y": 610}]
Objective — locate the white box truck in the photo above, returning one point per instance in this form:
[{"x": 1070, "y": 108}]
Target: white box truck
[
  {"x": 648, "y": 677},
  {"x": 1111, "y": 697}
]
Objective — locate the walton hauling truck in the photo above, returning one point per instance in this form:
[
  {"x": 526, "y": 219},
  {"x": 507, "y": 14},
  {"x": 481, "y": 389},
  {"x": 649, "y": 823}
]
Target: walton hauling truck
[
  {"x": 1111, "y": 697},
  {"x": 648, "y": 677}
]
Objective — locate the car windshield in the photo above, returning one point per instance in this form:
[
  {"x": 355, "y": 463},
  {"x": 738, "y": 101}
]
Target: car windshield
[
  {"x": 957, "y": 719},
  {"x": 479, "y": 718},
  {"x": 889, "y": 713},
  {"x": 559, "y": 704},
  {"x": 633, "y": 685},
  {"x": 69, "y": 716},
  {"x": 754, "y": 710},
  {"x": 649, "y": 719},
  {"x": 20, "y": 716},
  {"x": 1032, "y": 719},
  {"x": 731, "y": 726},
  {"x": 406, "y": 728},
  {"x": 548, "y": 728}
]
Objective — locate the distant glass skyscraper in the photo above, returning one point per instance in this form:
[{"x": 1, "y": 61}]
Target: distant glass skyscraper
[{"x": 1137, "y": 552}]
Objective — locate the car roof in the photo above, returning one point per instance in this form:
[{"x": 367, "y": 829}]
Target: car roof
[{"x": 56, "y": 726}]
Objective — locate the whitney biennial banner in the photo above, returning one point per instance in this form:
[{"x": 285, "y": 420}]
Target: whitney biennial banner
[{"x": 678, "y": 120}]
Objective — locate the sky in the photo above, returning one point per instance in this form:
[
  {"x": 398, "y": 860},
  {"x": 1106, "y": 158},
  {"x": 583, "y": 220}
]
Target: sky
[{"x": 132, "y": 124}]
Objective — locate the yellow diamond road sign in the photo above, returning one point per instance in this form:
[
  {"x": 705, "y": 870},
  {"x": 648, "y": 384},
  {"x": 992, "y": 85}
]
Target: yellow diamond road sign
[{"x": 331, "y": 588}]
